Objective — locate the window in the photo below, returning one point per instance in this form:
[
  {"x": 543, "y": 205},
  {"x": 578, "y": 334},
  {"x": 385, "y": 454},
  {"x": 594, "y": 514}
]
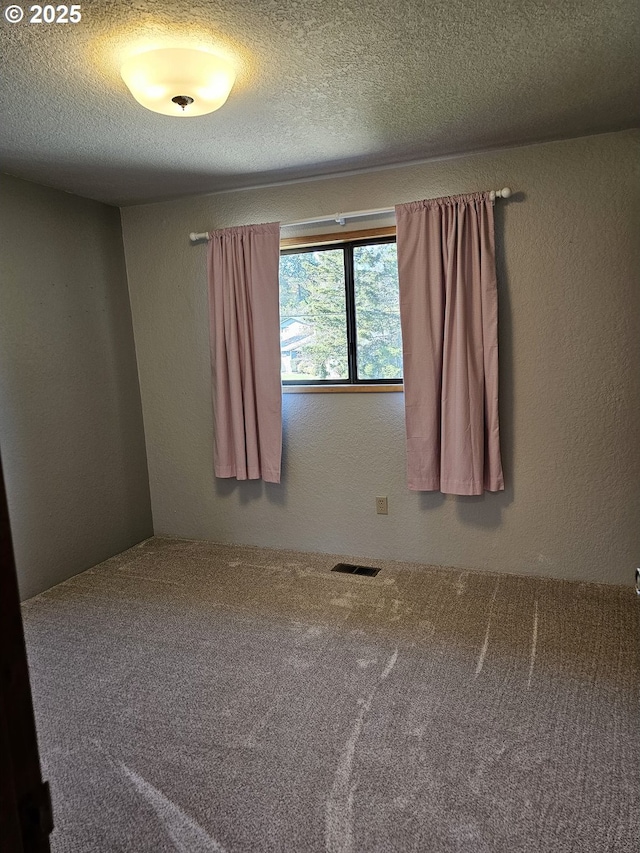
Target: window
[{"x": 340, "y": 314}]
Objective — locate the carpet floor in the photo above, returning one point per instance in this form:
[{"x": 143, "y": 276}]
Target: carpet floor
[{"x": 206, "y": 698}]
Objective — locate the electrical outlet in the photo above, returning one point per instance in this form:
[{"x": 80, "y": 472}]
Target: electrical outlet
[{"x": 382, "y": 507}]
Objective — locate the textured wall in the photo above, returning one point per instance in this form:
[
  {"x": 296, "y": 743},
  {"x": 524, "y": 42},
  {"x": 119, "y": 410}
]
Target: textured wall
[
  {"x": 70, "y": 419},
  {"x": 569, "y": 350}
]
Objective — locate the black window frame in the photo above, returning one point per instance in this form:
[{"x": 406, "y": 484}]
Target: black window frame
[{"x": 347, "y": 246}]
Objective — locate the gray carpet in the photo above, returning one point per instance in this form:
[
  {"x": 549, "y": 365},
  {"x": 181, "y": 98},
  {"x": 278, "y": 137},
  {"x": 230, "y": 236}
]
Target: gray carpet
[{"x": 194, "y": 697}]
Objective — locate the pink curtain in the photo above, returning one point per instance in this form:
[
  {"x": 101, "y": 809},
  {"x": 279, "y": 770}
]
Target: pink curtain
[
  {"x": 244, "y": 314},
  {"x": 449, "y": 315}
]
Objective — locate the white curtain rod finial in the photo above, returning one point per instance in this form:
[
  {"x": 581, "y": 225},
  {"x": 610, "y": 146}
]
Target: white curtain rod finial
[{"x": 505, "y": 192}]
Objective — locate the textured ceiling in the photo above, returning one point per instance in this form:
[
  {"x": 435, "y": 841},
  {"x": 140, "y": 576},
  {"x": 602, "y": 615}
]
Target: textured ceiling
[{"x": 324, "y": 86}]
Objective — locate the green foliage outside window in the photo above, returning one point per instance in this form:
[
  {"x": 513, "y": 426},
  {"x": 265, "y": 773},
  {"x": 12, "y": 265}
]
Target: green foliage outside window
[
  {"x": 379, "y": 339},
  {"x": 313, "y": 314}
]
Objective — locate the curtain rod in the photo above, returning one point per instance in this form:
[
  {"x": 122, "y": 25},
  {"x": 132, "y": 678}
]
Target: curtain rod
[{"x": 341, "y": 218}]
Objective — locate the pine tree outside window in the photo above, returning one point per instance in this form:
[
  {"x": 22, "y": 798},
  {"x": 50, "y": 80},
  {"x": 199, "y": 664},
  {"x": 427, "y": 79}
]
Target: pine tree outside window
[{"x": 340, "y": 315}]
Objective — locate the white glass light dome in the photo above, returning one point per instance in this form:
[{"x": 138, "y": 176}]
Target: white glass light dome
[{"x": 179, "y": 82}]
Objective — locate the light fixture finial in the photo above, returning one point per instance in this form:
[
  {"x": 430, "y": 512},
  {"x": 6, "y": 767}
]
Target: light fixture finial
[{"x": 182, "y": 101}]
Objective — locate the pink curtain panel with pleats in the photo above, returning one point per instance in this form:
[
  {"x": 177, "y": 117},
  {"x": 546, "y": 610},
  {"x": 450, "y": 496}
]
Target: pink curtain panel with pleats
[
  {"x": 244, "y": 314},
  {"x": 449, "y": 316}
]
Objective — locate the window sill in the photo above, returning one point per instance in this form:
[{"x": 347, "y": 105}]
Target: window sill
[{"x": 340, "y": 389}]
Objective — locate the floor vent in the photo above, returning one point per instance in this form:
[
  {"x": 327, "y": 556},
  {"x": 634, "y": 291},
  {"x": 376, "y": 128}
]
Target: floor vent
[{"x": 350, "y": 569}]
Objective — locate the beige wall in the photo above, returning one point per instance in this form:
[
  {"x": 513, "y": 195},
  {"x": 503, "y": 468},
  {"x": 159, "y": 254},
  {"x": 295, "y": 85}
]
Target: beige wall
[
  {"x": 569, "y": 349},
  {"x": 71, "y": 431}
]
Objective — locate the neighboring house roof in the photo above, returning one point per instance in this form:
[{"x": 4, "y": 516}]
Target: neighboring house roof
[{"x": 296, "y": 342}]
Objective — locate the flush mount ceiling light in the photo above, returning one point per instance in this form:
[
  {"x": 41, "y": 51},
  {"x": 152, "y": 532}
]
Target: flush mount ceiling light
[{"x": 179, "y": 81}]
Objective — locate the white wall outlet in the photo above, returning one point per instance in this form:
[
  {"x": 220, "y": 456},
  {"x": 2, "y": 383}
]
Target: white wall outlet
[{"x": 382, "y": 507}]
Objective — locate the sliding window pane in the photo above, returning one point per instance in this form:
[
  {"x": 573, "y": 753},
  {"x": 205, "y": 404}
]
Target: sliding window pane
[
  {"x": 379, "y": 340},
  {"x": 313, "y": 326}
]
